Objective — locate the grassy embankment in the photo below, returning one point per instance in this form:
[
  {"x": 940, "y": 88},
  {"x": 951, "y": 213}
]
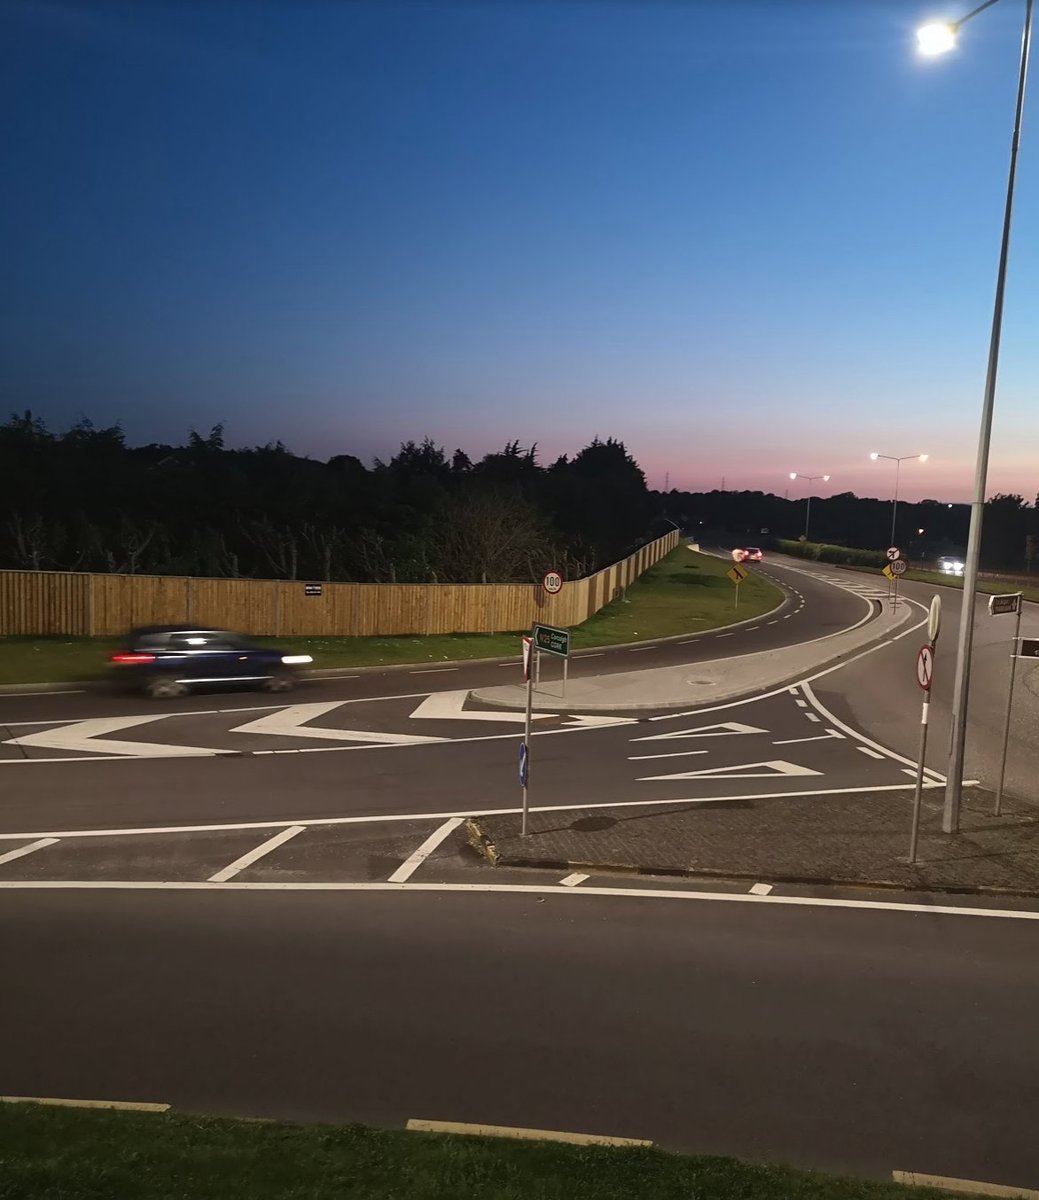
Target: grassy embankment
[
  {"x": 683, "y": 593},
  {"x": 92, "y": 1154}
]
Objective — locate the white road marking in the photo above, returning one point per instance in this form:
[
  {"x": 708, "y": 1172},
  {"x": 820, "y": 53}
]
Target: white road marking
[
  {"x": 720, "y": 729},
  {"x": 433, "y": 671},
  {"x": 970, "y": 1187},
  {"x": 813, "y": 716},
  {"x": 761, "y": 889},
  {"x": 573, "y": 880},
  {"x": 292, "y": 722},
  {"x": 772, "y": 768},
  {"x": 257, "y": 852},
  {"x": 910, "y": 771},
  {"x": 867, "y": 750},
  {"x": 597, "y": 654},
  {"x": 593, "y": 722},
  {"x": 146, "y": 830},
  {"x": 861, "y": 737},
  {"x": 676, "y": 754},
  {"x": 691, "y": 642},
  {"x": 412, "y": 863},
  {"x": 65, "y": 691},
  {"x": 931, "y": 910},
  {"x": 39, "y": 844},
  {"x": 514, "y": 1131},
  {"x": 820, "y": 737},
  {"x": 450, "y": 706},
  {"x": 90, "y": 735},
  {"x": 775, "y": 622},
  {"x": 835, "y": 733},
  {"x": 721, "y": 635}
]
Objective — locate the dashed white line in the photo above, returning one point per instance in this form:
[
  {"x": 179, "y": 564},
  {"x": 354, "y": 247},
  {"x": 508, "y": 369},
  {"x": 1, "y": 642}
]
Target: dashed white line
[
  {"x": 801, "y": 703},
  {"x": 761, "y": 889},
  {"x": 11, "y": 855},
  {"x": 573, "y": 880},
  {"x": 775, "y": 622},
  {"x": 256, "y": 853},
  {"x": 433, "y": 671},
  {"x": 721, "y": 635},
  {"x": 597, "y": 654},
  {"x": 639, "y": 649},
  {"x": 813, "y": 716},
  {"x": 411, "y": 864},
  {"x": 822, "y": 737},
  {"x": 676, "y": 754},
  {"x": 691, "y": 642}
]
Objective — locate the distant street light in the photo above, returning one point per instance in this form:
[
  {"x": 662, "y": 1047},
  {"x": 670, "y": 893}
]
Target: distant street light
[
  {"x": 898, "y": 467},
  {"x": 808, "y": 509},
  {"x": 933, "y": 39}
]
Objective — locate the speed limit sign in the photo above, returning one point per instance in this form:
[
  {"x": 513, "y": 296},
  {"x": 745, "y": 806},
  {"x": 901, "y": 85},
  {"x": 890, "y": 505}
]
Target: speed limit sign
[{"x": 552, "y": 582}]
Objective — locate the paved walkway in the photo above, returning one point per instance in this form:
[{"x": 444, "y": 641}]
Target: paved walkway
[
  {"x": 712, "y": 682},
  {"x": 860, "y": 838}
]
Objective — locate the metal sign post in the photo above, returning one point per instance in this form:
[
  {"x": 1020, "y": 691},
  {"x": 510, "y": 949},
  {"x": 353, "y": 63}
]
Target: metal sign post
[
  {"x": 524, "y": 759},
  {"x": 925, "y": 678},
  {"x": 998, "y": 606}
]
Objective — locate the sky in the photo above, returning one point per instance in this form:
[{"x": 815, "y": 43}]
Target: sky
[{"x": 745, "y": 237}]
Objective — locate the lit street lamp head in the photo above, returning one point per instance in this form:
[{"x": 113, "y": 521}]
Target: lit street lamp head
[
  {"x": 924, "y": 457},
  {"x": 874, "y": 456},
  {"x": 936, "y": 38},
  {"x": 826, "y": 479},
  {"x": 793, "y": 474}
]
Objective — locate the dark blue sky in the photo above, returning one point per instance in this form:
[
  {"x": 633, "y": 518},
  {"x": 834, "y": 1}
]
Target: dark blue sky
[{"x": 745, "y": 237}]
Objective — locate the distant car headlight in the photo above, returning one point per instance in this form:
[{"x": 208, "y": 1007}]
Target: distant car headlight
[{"x": 295, "y": 660}]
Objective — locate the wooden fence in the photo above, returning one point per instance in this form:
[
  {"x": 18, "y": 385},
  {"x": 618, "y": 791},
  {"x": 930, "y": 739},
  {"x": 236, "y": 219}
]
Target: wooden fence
[{"x": 60, "y": 602}]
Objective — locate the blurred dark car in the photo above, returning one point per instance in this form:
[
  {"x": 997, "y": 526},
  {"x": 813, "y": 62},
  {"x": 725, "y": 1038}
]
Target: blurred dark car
[{"x": 169, "y": 660}]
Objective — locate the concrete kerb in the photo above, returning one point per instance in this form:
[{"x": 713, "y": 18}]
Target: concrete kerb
[{"x": 718, "y": 681}]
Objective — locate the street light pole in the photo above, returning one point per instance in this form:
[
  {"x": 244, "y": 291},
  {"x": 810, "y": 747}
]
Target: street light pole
[
  {"x": 808, "y": 508},
  {"x": 965, "y": 639},
  {"x": 898, "y": 461}
]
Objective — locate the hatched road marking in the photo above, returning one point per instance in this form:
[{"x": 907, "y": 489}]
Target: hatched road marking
[
  {"x": 256, "y": 854},
  {"x": 411, "y": 864}
]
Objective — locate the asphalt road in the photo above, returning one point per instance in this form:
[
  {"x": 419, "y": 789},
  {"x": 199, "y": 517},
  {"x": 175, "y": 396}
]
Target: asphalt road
[
  {"x": 863, "y": 1039},
  {"x": 845, "y": 1039}
]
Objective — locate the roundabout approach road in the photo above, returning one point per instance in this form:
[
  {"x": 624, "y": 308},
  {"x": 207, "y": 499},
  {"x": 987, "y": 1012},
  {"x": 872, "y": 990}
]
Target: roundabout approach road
[{"x": 304, "y": 934}]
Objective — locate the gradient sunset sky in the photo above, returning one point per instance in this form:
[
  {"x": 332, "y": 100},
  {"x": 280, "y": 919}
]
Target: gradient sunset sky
[{"x": 746, "y": 238}]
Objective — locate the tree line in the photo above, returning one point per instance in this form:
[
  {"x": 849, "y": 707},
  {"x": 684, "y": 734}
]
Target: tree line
[
  {"x": 924, "y": 530},
  {"x": 83, "y": 500}
]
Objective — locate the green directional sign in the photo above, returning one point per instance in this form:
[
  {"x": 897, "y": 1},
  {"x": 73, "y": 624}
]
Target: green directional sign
[{"x": 552, "y": 641}]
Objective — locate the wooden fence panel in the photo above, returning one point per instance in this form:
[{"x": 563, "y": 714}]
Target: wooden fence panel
[
  {"x": 44, "y": 602},
  {"x": 58, "y": 602}
]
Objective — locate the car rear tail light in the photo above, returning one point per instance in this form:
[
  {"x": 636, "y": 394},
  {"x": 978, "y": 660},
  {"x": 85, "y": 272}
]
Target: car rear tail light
[{"x": 124, "y": 659}]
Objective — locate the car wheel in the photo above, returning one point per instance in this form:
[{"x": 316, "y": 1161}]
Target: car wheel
[
  {"x": 280, "y": 681},
  {"x": 164, "y": 687}
]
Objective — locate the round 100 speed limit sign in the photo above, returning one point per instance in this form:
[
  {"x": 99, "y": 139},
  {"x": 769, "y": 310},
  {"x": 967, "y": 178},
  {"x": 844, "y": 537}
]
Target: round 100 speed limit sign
[
  {"x": 925, "y": 667},
  {"x": 552, "y": 582}
]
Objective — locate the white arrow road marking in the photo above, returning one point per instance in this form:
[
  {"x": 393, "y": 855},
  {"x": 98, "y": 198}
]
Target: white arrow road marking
[
  {"x": 90, "y": 736},
  {"x": 292, "y": 722},
  {"x": 758, "y": 770},
  {"x": 448, "y": 706},
  {"x": 723, "y": 729},
  {"x": 600, "y": 722}
]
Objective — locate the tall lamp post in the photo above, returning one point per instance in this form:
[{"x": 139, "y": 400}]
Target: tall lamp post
[
  {"x": 898, "y": 468},
  {"x": 936, "y": 39},
  {"x": 811, "y": 479}
]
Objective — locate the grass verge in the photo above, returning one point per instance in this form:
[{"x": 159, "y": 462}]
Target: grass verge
[
  {"x": 683, "y": 593},
  {"x": 80, "y": 1154},
  {"x": 989, "y": 587}
]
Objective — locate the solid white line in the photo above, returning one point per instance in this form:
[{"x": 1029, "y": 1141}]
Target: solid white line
[
  {"x": 969, "y": 1187},
  {"x": 41, "y": 844},
  {"x": 677, "y": 754},
  {"x": 835, "y": 733},
  {"x": 63, "y": 692},
  {"x": 942, "y": 910},
  {"x": 257, "y": 852},
  {"x": 411, "y": 864},
  {"x": 867, "y": 750},
  {"x": 433, "y": 816},
  {"x": 761, "y": 889},
  {"x": 573, "y": 880},
  {"x": 822, "y": 737}
]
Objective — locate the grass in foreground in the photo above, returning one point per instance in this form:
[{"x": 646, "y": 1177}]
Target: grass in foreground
[
  {"x": 81, "y": 1154},
  {"x": 683, "y": 593}
]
